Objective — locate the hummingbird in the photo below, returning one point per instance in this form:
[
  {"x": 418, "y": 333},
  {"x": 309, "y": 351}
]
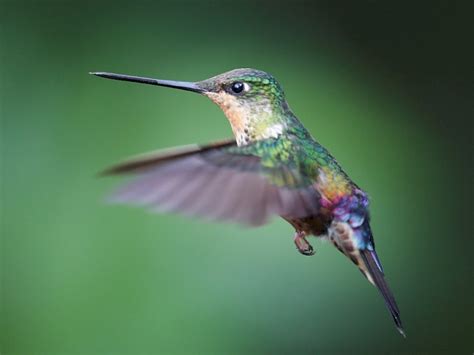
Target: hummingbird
[{"x": 271, "y": 167}]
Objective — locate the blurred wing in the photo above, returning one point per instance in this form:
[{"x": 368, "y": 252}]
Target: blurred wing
[
  {"x": 218, "y": 181},
  {"x": 150, "y": 160}
]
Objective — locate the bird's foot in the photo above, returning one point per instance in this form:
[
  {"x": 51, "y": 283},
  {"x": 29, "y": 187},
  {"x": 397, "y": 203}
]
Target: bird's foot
[{"x": 302, "y": 244}]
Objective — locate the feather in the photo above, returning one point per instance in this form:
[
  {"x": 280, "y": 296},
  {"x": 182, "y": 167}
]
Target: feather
[
  {"x": 150, "y": 160},
  {"x": 343, "y": 237},
  {"x": 218, "y": 181},
  {"x": 374, "y": 273}
]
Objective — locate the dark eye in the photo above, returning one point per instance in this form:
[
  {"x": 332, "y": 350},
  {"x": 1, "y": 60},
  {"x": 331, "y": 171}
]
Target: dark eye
[{"x": 237, "y": 87}]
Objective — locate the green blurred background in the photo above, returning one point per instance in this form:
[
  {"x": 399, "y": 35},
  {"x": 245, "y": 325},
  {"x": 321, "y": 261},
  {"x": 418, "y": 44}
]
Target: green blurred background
[{"x": 387, "y": 88}]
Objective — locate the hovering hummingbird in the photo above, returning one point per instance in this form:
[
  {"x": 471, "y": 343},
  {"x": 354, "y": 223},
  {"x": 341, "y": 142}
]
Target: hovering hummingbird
[{"x": 273, "y": 166}]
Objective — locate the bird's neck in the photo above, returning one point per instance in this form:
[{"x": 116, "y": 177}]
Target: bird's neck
[{"x": 254, "y": 120}]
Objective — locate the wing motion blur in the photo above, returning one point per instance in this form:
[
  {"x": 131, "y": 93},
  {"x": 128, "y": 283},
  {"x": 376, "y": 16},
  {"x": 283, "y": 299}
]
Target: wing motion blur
[{"x": 217, "y": 181}]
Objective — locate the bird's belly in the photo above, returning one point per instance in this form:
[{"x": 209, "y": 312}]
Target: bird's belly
[{"x": 312, "y": 225}]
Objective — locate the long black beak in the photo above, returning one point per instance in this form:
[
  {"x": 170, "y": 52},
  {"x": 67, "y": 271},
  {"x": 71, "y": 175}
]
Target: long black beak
[{"x": 183, "y": 85}]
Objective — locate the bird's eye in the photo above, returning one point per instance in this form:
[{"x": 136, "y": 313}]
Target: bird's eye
[{"x": 237, "y": 87}]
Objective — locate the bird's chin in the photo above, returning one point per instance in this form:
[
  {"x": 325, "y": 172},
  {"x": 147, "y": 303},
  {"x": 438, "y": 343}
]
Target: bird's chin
[{"x": 235, "y": 113}]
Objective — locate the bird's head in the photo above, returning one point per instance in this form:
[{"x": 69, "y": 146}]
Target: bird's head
[{"x": 252, "y": 100}]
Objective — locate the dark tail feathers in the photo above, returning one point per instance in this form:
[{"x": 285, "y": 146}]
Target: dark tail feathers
[{"x": 375, "y": 272}]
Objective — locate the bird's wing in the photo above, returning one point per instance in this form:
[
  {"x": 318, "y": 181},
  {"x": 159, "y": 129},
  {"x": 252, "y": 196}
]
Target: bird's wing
[{"x": 220, "y": 181}]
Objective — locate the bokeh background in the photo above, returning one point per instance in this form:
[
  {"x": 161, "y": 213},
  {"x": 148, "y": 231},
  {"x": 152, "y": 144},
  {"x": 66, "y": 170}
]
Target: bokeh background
[{"x": 386, "y": 87}]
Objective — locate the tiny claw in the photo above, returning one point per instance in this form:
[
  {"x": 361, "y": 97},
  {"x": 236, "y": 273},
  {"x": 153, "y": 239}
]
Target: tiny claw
[
  {"x": 302, "y": 244},
  {"x": 307, "y": 252}
]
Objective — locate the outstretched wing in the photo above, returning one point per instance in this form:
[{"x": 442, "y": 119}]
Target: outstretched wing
[{"x": 220, "y": 181}]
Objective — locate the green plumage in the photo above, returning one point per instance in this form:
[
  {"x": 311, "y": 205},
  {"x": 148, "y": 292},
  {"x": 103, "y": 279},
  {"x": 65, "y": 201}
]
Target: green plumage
[{"x": 272, "y": 168}]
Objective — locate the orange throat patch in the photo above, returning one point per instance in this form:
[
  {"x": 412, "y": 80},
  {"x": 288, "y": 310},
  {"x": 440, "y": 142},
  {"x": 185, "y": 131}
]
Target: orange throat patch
[{"x": 234, "y": 112}]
